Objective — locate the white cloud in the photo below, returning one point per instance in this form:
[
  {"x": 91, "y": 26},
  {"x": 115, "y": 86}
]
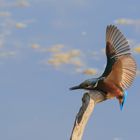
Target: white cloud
[
  {"x": 59, "y": 55},
  {"x": 20, "y": 25},
  {"x": 13, "y": 4},
  {"x": 35, "y": 46},
  {"x": 66, "y": 57},
  {"x": 22, "y": 3},
  {"x": 137, "y": 48},
  {"x": 10, "y": 44},
  {"x": 90, "y": 71},
  {"x": 23, "y": 24},
  {"x": 53, "y": 49},
  {"x": 56, "y": 48},
  {"x": 5, "y": 14},
  {"x": 125, "y": 21}
]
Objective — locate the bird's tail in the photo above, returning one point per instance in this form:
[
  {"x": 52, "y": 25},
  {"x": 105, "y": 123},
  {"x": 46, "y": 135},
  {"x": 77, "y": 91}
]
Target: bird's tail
[{"x": 123, "y": 100}]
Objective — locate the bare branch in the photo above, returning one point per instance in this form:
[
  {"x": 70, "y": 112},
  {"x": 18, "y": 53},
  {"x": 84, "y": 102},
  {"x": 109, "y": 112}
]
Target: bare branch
[{"x": 89, "y": 101}]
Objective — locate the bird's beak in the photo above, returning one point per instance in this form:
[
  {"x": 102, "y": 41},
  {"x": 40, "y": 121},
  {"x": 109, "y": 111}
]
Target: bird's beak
[{"x": 75, "y": 87}]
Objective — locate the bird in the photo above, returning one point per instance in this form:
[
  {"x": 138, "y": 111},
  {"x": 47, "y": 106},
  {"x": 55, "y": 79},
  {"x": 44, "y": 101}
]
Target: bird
[{"x": 120, "y": 70}]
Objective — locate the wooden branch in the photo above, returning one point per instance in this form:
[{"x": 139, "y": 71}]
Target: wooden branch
[{"x": 89, "y": 101}]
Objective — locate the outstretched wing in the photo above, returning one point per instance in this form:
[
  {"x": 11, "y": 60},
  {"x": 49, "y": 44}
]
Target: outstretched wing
[{"x": 121, "y": 67}]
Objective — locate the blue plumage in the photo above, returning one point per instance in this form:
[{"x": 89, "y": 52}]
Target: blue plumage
[{"x": 124, "y": 100}]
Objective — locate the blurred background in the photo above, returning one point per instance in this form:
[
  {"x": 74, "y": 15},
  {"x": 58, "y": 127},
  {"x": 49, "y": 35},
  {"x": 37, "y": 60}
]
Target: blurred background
[{"x": 47, "y": 46}]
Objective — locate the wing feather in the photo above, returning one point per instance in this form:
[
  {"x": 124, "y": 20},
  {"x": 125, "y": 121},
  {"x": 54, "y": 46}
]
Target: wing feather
[
  {"x": 123, "y": 72},
  {"x": 117, "y": 41},
  {"x": 121, "y": 67}
]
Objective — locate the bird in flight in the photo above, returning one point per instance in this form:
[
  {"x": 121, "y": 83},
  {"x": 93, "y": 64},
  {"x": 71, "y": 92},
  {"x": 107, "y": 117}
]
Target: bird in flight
[{"x": 120, "y": 70}]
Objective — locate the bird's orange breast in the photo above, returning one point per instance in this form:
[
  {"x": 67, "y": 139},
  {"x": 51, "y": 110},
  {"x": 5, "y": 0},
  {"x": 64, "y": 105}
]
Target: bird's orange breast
[{"x": 110, "y": 89}]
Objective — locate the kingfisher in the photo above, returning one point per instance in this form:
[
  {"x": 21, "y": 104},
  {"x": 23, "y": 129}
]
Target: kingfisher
[{"x": 120, "y": 69}]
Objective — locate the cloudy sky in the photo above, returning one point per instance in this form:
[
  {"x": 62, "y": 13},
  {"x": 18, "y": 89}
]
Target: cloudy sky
[{"x": 47, "y": 46}]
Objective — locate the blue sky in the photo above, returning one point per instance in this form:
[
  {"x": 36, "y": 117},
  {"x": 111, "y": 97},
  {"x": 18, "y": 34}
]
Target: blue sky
[{"x": 35, "y": 36}]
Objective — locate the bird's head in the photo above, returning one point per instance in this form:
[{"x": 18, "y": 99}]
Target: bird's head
[{"x": 87, "y": 84}]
